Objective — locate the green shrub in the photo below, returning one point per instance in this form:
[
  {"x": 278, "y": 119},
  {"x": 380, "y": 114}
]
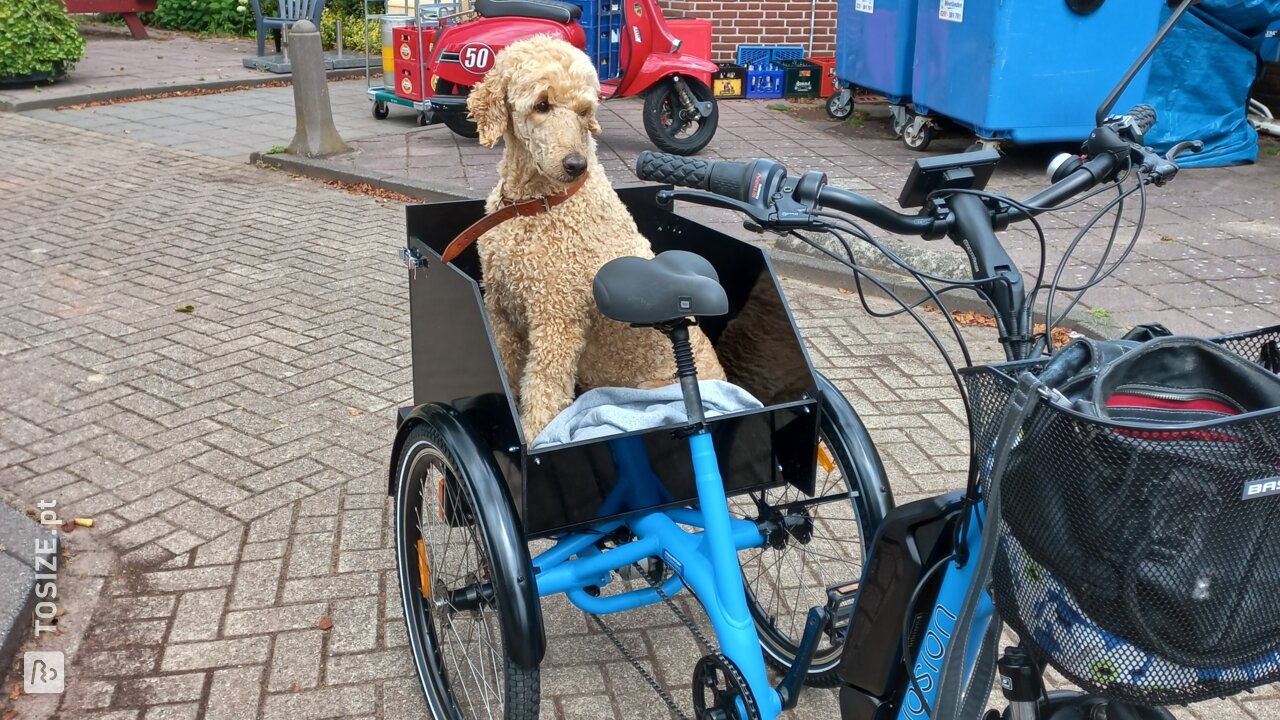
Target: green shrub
[
  {"x": 352, "y": 29},
  {"x": 213, "y": 17},
  {"x": 35, "y": 36}
]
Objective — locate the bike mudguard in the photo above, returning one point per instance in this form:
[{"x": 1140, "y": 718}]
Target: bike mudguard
[
  {"x": 523, "y": 633},
  {"x": 912, "y": 539}
]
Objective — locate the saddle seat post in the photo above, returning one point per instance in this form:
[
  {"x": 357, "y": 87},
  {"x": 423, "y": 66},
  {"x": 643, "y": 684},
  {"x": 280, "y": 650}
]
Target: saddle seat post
[{"x": 686, "y": 371}]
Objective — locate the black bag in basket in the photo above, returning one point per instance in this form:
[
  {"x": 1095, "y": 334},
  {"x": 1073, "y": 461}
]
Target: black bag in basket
[{"x": 1139, "y": 491}]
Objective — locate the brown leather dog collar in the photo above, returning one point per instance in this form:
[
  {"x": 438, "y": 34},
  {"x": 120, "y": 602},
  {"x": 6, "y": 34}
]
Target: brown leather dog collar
[{"x": 525, "y": 208}]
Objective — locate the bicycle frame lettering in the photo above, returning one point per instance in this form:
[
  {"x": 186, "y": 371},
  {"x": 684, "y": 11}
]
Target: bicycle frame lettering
[{"x": 940, "y": 636}]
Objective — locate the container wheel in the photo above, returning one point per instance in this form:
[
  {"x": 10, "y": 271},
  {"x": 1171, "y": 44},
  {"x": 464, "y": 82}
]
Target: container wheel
[
  {"x": 450, "y": 552},
  {"x": 917, "y": 139},
  {"x": 817, "y": 543},
  {"x": 380, "y": 111},
  {"x": 674, "y": 128},
  {"x": 840, "y": 105}
]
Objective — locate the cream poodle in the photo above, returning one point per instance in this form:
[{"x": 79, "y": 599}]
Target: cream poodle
[{"x": 541, "y": 98}]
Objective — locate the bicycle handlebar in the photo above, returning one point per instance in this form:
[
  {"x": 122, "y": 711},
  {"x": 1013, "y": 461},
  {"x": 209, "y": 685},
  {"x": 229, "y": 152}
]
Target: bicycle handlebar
[
  {"x": 764, "y": 191},
  {"x": 760, "y": 186}
]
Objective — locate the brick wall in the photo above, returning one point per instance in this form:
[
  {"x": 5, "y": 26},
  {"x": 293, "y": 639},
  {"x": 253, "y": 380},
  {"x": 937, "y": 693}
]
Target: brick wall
[
  {"x": 1267, "y": 89},
  {"x": 761, "y": 22}
]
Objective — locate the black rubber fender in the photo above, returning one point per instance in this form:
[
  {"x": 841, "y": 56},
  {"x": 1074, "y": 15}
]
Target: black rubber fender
[
  {"x": 850, "y": 440},
  {"x": 523, "y": 632}
]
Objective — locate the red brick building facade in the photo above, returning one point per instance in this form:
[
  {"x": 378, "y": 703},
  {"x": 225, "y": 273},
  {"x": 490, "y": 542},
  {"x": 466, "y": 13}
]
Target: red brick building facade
[{"x": 762, "y": 22}]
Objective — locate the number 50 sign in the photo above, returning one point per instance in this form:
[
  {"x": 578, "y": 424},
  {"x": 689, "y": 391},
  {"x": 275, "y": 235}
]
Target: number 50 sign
[{"x": 476, "y": 58}]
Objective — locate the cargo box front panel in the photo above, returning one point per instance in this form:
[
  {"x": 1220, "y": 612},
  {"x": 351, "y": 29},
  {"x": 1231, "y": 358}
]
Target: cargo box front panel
[{"x": 456, "y": 364}]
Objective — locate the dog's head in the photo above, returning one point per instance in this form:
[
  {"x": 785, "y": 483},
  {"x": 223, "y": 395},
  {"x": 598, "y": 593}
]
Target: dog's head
[{"x": 542, "y": 95}]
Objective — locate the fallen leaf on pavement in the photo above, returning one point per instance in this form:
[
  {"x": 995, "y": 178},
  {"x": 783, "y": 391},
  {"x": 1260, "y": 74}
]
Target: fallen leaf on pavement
[
  {"x": 844, "y": 291},
  {"x": 355, "y": 412},
  {"x": 17, "y": 692},
  {"x": 187, "y": 309},
  {"x": 326, "y": 623},
  {"x": 10, "y": 715},
  {"x": 294, "y": 687}
]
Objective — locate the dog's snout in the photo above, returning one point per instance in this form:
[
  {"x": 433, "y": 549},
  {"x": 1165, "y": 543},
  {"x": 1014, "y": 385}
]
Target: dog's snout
[{"x": 575, "y": 164}]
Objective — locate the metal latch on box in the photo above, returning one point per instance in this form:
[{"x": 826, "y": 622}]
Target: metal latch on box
[{"x": 413, "y": 260}]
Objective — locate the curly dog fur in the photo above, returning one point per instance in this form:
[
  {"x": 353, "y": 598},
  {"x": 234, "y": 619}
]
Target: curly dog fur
[{"x": 541, "y": 98}]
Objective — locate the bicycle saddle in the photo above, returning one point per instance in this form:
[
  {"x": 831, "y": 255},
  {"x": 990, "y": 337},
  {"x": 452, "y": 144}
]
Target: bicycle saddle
[
  {"x": 675, "y": 284},
  {"x": 545, "y": 9}
]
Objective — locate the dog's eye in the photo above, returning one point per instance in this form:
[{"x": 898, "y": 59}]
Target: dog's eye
[
  {"x": 543, "y": 106},
  {"x": 585, "y": 112}
]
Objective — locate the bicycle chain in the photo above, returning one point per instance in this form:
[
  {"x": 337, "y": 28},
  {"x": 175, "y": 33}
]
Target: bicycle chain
[
  {"x": 635, "y": 663},
  {"x": 648, "y": 677}
]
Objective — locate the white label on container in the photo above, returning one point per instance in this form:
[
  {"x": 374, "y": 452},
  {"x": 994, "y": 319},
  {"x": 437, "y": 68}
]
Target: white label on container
[
  {"x": 951, "y": 10},
  {"x": 866, "y": 6}
]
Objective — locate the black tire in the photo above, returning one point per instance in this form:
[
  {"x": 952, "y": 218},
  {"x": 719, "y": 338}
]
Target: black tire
[
  {"x": 458, "y": 122},
  {"x": 919, "y": 143},
  {"x": 666, "y": 121},
  {"x": 847, "y": 508},
  {"x": 837, "y": 111},
  {"x": 439, "y": 523},
  {"x": 380, "y": 111}
]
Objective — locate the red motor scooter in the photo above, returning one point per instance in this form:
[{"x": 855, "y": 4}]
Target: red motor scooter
[{"x": 629, "y": 40}]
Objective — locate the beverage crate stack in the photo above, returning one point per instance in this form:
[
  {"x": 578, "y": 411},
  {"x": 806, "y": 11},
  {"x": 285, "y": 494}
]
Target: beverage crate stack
[
  {"x": 602, "y": 22},
  {"x": 775, "y": 71}
]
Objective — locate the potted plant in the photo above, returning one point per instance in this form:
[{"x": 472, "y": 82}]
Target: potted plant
[{"x": 39, "y": 42}]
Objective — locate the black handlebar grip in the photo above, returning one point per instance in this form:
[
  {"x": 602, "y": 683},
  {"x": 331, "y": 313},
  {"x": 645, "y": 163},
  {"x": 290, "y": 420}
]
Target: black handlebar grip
[
  {"x": 673, "y": 170},
  {"x": 1144, "y": 117},
  {"x": 730, "y": 179}
]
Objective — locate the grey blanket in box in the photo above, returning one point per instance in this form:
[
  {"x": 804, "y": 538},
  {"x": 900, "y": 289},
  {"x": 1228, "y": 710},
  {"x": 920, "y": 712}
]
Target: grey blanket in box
[{"x": 608, "y": 411}]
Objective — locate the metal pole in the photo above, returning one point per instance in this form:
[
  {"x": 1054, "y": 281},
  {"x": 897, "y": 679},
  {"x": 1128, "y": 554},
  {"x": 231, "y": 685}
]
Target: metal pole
[{"x": 337, "y": 31}]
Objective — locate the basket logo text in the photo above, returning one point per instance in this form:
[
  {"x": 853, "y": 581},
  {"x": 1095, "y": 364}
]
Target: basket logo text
[{"x": 1261, "y": 488}]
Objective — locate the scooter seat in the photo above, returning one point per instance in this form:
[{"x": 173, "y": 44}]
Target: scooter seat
[
  {"x": 544, "y": 9},
  {"x": 676, "y": 284}
]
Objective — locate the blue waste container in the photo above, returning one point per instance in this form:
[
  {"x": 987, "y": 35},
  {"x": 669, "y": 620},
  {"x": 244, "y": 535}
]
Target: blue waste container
[
  {"x": 875, "y": 45},
  {"x": 1029, "y": 71}
]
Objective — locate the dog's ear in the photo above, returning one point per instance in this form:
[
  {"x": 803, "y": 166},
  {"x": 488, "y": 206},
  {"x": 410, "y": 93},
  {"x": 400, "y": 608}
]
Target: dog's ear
[
  {"x": 487, "y": 103},
  {"x": 594, "y": 125}
]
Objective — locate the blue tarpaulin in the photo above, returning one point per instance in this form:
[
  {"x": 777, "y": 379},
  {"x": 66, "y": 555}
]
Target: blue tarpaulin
[{"x": 1200, "y": 80}]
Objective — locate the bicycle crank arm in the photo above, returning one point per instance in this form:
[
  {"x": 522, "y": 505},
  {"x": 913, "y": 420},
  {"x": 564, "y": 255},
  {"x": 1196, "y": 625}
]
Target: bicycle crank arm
[{"x": 814, "y": 626}]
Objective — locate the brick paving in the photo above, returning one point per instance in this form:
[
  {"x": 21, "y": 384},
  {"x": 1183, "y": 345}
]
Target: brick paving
[{"x": 234, "y": 456}]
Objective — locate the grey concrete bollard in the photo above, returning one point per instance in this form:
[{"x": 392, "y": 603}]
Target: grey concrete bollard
[{"x": 315, "y": 135}]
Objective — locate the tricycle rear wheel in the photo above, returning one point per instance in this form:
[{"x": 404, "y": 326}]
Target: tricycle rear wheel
[
  {"x": 671, "y": 126},
  {"x": 457, "y": 622},
  {"x": 823, "y": 545}
]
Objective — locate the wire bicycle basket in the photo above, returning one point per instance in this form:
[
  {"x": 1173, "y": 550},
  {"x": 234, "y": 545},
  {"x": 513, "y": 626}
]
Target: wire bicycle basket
[{"x": 1140, "y": 563}]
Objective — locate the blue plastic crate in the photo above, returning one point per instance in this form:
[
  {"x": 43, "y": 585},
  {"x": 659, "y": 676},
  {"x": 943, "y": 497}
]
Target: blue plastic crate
[
  {"x": 786, "y": 52},
  {"x": 765, "y": 83},
  {"x": 749, "y": 55},
  {"x": 604, "y": 43}
]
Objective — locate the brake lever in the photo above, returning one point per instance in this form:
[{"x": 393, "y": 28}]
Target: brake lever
[
  {"x": 1191, "y": 146},
  {"x": 772, "y": 218},
  {"x": 1161, "y": 170}
]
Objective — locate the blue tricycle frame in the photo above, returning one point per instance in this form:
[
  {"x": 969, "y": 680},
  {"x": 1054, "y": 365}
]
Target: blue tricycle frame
[{"x": 649, "y": 486}]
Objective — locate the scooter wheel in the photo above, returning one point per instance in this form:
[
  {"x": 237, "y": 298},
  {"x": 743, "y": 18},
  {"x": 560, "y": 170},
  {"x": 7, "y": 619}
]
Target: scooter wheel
[{"x": 670, "y": 126}]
